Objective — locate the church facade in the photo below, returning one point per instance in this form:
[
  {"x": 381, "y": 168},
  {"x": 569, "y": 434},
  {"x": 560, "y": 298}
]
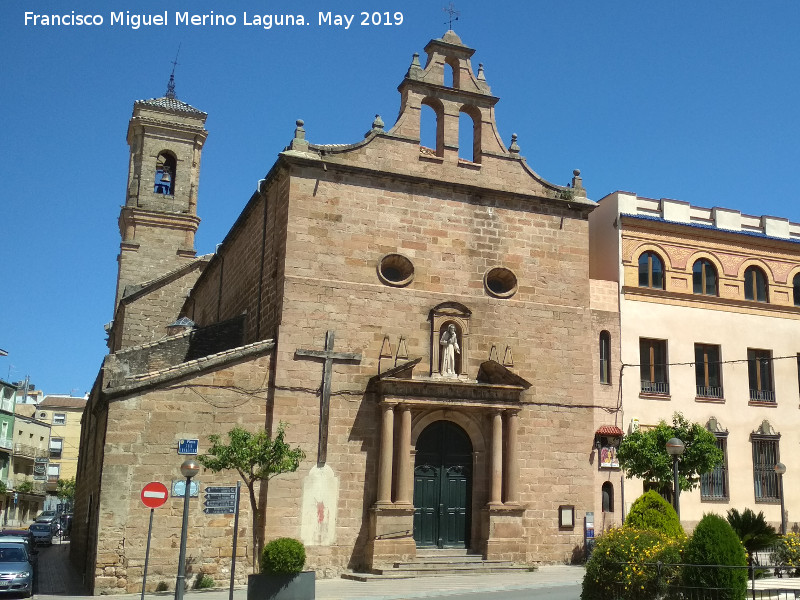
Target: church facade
[{"x": 424, "y": 324}]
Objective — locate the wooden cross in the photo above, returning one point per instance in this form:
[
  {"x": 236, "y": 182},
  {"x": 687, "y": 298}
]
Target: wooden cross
[{"x": 328, "y": 355}]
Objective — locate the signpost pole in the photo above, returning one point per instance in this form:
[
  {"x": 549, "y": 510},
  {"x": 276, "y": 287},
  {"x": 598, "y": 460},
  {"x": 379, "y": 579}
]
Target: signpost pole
[
  {"x": 147, "y": 552},
  {"x": 235, "y": 537}
]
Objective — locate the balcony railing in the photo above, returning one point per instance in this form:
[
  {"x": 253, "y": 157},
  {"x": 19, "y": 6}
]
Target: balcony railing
[
  {"x": 6, "y": 443},
  {"x": 655, "y": 387},
  {"x": 36, "y": 487},
  {"x": 704, "y": 391},
  {"x": 28, "y": 451},
  {"x": 762, "y": 395}
]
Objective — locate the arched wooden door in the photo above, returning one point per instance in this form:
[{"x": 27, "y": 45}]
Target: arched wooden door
[{"x": 442, "y": 486}]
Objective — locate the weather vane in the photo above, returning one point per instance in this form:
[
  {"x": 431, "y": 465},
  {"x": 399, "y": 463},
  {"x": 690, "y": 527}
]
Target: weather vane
[
  {"x": 451, "y": 10},
  {"x": 171, "y": 85}
]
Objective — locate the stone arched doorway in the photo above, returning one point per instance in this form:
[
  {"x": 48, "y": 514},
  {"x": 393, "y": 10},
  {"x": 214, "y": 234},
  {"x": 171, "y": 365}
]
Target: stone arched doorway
[{"x": 442, "y": 486}]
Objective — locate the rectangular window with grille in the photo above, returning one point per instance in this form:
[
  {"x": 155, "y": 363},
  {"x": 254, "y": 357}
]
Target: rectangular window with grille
[
  {"x": 653, "y": 366},
  {"x": 714, "y": 484},
  {"x": 765, "y": 479},
  {"x": 707, "y": 371}
]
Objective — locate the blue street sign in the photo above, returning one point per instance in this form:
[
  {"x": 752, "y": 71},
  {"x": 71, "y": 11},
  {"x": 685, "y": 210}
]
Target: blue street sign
[{"x": 188, "y": 446}]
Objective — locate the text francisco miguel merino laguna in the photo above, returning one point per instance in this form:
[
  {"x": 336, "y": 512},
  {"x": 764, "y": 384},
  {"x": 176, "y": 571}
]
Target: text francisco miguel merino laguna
[{"x": 135, "y": 21}]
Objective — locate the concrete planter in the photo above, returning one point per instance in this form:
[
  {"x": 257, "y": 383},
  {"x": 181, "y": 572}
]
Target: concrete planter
[{"x": 271, "y": 586}]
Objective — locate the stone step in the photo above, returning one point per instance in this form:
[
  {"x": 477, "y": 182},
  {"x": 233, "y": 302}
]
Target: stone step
[
  {"x": 448, "y": 570},
  {"x": 453, "y": 561},
  {"x": 470, "y": 558},
  {"x": 425, "y": 552}
]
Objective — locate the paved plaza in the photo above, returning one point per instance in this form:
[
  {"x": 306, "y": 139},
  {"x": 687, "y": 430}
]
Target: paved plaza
[{"x": 58, "y": 579}]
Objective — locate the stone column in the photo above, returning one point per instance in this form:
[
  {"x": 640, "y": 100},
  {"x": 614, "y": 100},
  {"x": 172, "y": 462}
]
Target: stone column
[
  {"x": 404, "y": 478},
  {"x": 495, "y": 494},
  {"x": 387, "y": 450},
  {"x": 511, "y": 469}
]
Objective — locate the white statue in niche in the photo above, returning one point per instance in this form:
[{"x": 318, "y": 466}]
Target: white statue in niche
[{"x": 449, "y": 344}]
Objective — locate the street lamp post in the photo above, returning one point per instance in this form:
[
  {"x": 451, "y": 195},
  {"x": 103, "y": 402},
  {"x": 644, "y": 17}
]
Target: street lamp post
[
  {"x": 675, "y": 448},
  {"x": 780, "y": 469},
  {"x": 189, "y": 469}
]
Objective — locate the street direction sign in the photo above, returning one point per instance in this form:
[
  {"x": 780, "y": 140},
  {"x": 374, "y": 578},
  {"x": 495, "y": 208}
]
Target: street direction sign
[
  {"x": 224, "y": 496},
  {"x": 154, "y": 494},
  {"x": 218, "y": 510},
  {"x": 220, "y": 489},
  {"x": 220, "y": 503}
]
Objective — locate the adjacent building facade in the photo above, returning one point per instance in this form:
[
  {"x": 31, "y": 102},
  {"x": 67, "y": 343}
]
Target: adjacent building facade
[
  {"x": 709, "y": 305},
  {"x": 406, "y": 311},
  {"x": 63, "y": 413}
]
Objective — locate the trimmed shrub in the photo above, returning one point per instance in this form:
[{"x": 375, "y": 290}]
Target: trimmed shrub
[
  {"x": 623, "y": 565},
  {"x": 652, "y": 512},
  {"x": 714, "y": 542},
  {"x": 283, "y": 555},
  {"x": 204, "y": 582},
  {"x": 787, "y": 552}
]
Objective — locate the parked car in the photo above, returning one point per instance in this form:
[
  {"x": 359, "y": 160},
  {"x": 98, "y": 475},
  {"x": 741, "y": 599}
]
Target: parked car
[
  {"x": 33, "y": 552},
  {"x": 17, "y": 535},
  {"x": 47, "y": 516},
  {"x": 16, "y": 570},
  {"x": 43, "y": 533}
]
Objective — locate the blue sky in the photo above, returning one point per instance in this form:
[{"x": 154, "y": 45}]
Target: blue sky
[{"x": 690, "y": 100}]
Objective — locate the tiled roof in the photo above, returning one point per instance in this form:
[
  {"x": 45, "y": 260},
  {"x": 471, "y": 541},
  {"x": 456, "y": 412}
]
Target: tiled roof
[
  {"x": 610, "y": 430},
  {"x": 171, "y": 104},
  {"x": 755, "y": 234},
  {"x": 62, "y": 402}
]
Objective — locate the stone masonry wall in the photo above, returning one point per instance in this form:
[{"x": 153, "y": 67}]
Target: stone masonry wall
[
  {"x": 140, "y": 446},
  {"x": 145, "y": 318}
]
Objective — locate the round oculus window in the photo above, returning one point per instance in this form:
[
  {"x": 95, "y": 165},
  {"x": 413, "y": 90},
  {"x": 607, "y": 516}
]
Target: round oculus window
[
  {"x": 396, "y": 270},
  {"x": 500, "y": 282}
]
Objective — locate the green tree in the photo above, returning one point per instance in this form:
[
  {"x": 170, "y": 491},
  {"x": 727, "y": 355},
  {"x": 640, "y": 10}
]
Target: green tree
[
  {"x": 65, "y": 490},
  {"x": 644, "y": 454},
  {"x": 256, "y": 457},
  {"x": 753, "y": 530}
]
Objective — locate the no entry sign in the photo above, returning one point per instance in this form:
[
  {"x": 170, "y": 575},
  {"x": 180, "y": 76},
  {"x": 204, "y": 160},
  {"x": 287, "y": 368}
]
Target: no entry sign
[{"x": 154, "y": 494}]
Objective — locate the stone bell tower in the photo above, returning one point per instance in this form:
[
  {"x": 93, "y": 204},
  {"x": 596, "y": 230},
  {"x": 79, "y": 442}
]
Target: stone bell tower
[{"x": 159, "y": 219}]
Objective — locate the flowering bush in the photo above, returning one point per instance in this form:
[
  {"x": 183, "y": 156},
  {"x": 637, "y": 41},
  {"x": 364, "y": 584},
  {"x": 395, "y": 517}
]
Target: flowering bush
[
  {"x": 623, "y": 562},
  {"x": 787, "y": 552}
]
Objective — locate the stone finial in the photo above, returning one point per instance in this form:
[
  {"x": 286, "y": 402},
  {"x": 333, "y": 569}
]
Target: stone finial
[
  {"x": 577, "y": 182},
  {"x": 514, "y": 148},
  {"x": 299, "y": 142},
  {"x": 377, "y": 126},
  {"x": 415, "y": 70},
  {"x": 481, "y": 75}
]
